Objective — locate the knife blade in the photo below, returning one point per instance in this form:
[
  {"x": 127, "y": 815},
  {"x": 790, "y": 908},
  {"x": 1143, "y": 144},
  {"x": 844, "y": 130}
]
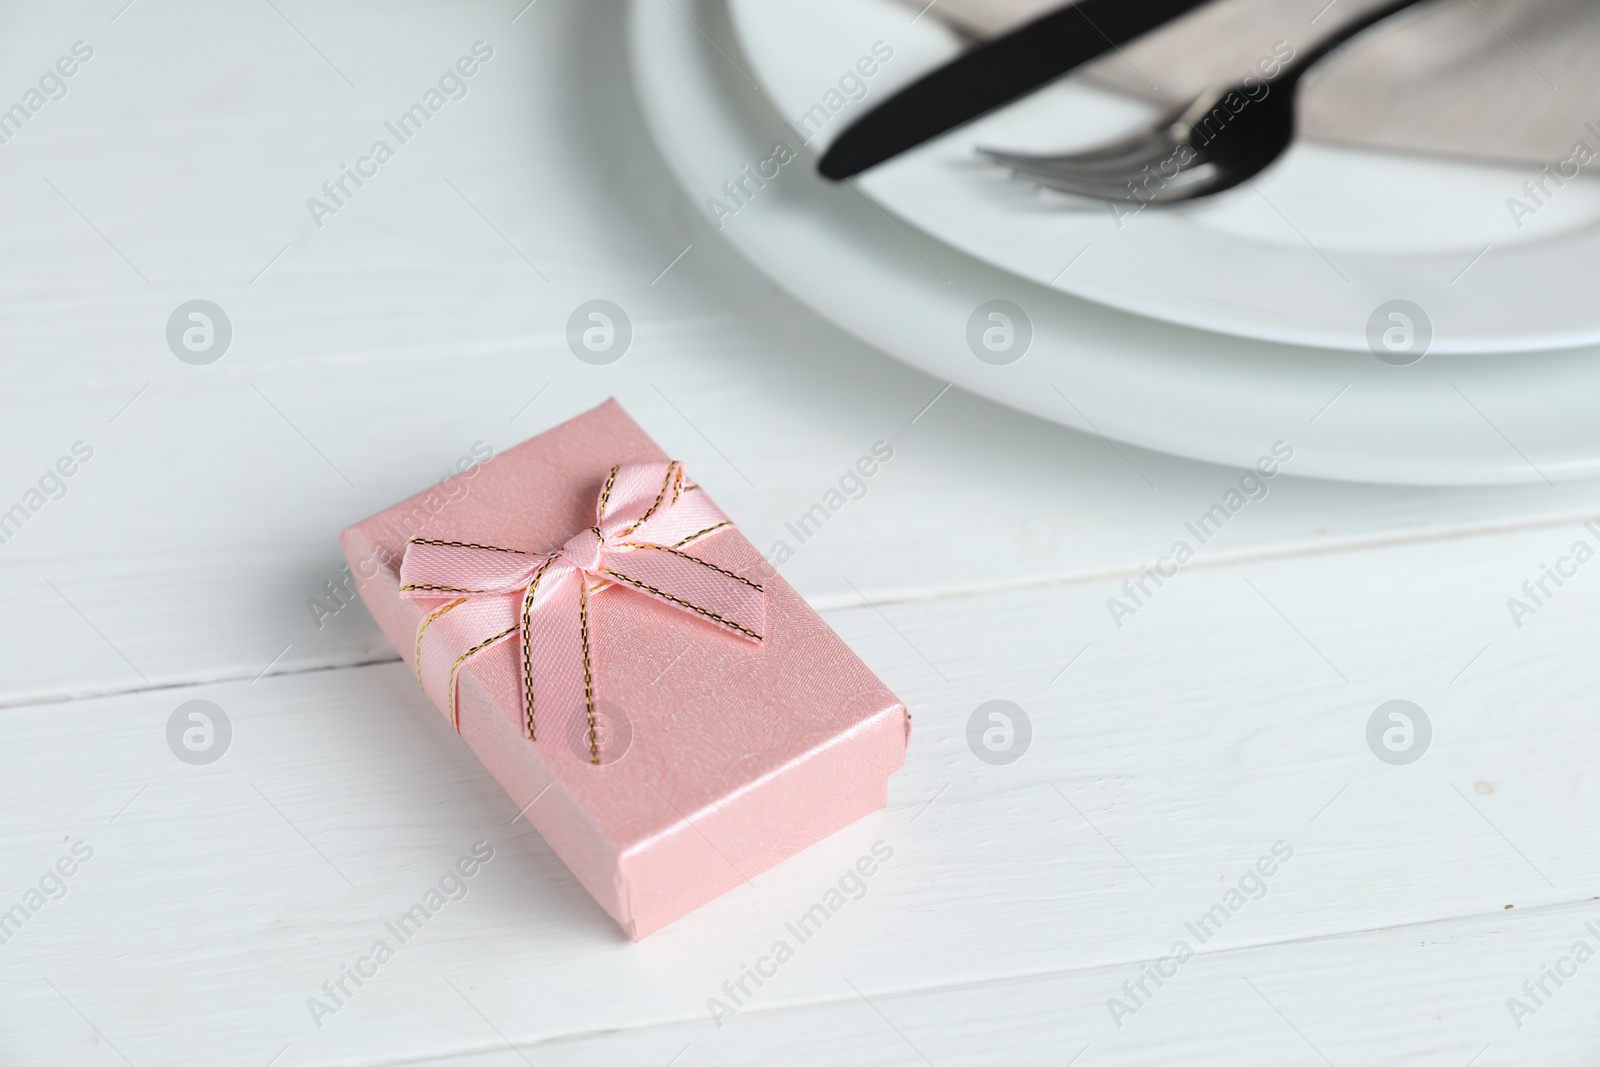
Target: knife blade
[{"x": 991, "y": 75}]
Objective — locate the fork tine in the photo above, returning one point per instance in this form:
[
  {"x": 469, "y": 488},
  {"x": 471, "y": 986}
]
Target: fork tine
[
  {"x": 1121, "y": 170},
  {"x": 1100, "y": 155},
  {"x": 1130, "y": 157},
  {"x": 1131, "y": 166},
  {"x": 1181, "y": 186},
  {"x": 1189, "y": 183},
  {"x": 1088, "y": 190},
  {"x": 1153, "y": 142},
  {"x": 1134, "y": 166},
  {"x": 1100, "y": 188}
]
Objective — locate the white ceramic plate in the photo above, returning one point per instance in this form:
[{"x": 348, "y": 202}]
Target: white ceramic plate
[
  {"x": 1305, "y": 256},
  {"x": 1515, "y": 418}
]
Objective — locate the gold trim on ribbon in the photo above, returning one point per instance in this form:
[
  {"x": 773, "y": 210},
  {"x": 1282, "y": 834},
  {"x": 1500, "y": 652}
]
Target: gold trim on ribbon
[
  {"x": 422, "y": 629},
  {"x": 527, "y": 653},
  {"x": 588, "y": 673},
  {"x": 695, "y": 559},
  {"x": 605, "y": 492},
  {"x": 674, "y": 475},
  {"x": 455, "y": 712},
  {"x": 696, "y": 536},
  {"x": 466, "y": 544},
  {"x": 697, "y": 609}
]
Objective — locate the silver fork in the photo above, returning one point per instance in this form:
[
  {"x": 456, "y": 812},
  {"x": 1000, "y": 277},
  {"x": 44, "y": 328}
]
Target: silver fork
[{"x": 1221, "y": 138}]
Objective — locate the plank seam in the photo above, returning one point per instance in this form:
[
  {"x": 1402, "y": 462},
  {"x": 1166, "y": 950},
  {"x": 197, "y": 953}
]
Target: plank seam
[
  {"x": 823, "y": 1002},
  {"x": 922, "y": 594}
]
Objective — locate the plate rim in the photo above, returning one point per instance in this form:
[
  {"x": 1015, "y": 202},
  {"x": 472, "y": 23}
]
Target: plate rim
[
  {"x": 1508, "y": 337},
  {"x": 1193, "y": 399}
]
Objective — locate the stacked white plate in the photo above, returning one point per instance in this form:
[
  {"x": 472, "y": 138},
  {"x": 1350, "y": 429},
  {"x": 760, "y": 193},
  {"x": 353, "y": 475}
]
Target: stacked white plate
[{"x": 1288, "y": 310}]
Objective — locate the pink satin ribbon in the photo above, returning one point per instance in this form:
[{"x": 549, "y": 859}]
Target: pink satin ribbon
[{"x": 646, "y": 517}]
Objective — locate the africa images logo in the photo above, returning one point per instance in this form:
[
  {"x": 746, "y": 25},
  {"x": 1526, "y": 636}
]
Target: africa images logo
[
  {"x": 851, "y": 885},
  {"x": 452, "y": 85},
  {"x": 1253, "y": 884},
  {"x": 452, "y": 885}
]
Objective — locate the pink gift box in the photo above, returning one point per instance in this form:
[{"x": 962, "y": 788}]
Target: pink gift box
[{"x": 734, "y": 755}]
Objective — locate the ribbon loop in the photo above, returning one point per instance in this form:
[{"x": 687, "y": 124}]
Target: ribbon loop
[{"x": 647, "y": 517}]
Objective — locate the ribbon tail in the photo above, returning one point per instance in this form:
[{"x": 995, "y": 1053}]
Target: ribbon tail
[{"x": 557, "y": 665}]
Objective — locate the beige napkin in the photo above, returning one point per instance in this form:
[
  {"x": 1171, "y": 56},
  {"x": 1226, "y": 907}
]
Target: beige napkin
[{"x": 1506, "y": 80}]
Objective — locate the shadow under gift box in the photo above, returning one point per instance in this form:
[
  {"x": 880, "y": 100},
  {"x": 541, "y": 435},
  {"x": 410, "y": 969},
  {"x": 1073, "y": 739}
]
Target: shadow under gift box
[{"x": 738, "y": 754}]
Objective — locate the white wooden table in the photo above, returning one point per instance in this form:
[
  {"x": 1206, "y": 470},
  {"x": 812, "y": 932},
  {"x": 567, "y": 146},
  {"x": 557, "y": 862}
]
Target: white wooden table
[{"x": 1226, "y": 718}]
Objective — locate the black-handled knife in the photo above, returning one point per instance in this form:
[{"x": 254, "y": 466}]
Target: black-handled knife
[{"x": 991, "y": 75}]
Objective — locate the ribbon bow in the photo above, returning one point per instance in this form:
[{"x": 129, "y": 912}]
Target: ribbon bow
[{"x": 645, "y": 518}]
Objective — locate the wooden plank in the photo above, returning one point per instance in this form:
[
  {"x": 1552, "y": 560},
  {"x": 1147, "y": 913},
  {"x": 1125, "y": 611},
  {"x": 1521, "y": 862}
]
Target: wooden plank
[
  {"x": 1431, "y": 993},
  {"x": 1133, "y": 812}
]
